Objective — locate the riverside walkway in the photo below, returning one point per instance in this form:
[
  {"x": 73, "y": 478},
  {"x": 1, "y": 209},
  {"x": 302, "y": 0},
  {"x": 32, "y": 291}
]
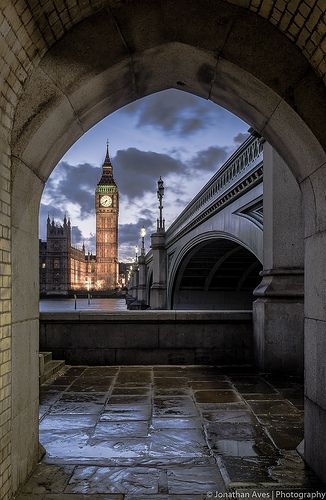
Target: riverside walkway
[{"x": 168, "y": 432}]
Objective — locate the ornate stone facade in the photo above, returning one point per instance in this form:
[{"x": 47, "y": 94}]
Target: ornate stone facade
[{"x": 64, "y": 268}]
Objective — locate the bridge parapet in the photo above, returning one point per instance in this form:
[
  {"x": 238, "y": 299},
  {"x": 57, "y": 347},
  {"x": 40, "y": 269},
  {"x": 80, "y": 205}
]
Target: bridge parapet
[{"x": 240, "y": 172}]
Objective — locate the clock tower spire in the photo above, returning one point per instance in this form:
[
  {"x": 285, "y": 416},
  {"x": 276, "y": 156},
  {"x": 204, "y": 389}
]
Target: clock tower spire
[{"x": 107, "y": 212}]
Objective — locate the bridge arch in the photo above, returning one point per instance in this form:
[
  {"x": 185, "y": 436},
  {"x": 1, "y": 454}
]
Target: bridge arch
[
  {"x": 115, "y": 56},
  {"x": 203, "y": 261}
]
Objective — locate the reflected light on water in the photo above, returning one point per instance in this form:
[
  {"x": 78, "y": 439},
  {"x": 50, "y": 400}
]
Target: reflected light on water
[{"x": 63, "y": 305}]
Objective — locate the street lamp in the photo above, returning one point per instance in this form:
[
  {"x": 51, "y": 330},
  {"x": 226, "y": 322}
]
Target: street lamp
[
  {"x": 136, "y": 250},
  {"x": 143, "y": 234},
  {"x": 160, "y": 194}
]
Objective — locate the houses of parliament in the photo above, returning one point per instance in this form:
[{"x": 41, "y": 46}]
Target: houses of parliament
[{"x": 64, "y": 268}]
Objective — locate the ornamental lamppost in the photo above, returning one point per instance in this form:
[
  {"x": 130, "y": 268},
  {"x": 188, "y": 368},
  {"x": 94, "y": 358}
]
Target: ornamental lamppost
[
  {"x": 160, "y": 194},
  {"x": 158, "y": 288},
  {"x": 142, "y": 234}
]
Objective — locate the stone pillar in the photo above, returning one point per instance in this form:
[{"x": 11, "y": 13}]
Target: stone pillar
[
  {"x": 141, "y": 291},
  {"x": 314, "y": 188},
  {"x": 158, "y": 288},
  {"x": 278, "y": 313},
  {"x": 134, "y": 282}
]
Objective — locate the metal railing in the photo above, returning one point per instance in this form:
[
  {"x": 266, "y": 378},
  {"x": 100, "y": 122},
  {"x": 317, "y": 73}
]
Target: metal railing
[{"x": 244, "y": 160}]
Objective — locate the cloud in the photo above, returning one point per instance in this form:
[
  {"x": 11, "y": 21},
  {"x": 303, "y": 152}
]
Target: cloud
[
  {"x": 130, "y": 232},
  {"x": 174, "y": 111},
  {"x": 136, "y": 171},
  {"x": 74, "y": 184},
  {"x": 209, "y": 159},
  {"x": 78, "y": 239},
  {"x": 76, "y": 236},
  {"x": 240, "y": 138},
  {"x": 52, "y": 211}
]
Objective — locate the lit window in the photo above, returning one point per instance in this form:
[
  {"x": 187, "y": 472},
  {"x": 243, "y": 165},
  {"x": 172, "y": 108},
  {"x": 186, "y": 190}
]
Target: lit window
[{"x": 43, "y": 265}]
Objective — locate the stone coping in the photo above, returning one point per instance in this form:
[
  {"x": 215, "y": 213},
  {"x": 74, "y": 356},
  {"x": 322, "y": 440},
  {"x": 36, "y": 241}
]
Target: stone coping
[{"x": 147, "y": 316}]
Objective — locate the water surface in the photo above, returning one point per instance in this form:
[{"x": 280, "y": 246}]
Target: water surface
[{"x": 65, "y": 305}]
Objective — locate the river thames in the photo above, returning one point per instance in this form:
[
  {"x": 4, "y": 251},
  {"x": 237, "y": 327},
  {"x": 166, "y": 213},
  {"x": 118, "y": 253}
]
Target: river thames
[{"x": 65, "y": 305}]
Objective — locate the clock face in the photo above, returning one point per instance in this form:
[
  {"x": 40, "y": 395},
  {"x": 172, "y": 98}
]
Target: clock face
[{"x": 106, "y": 201}]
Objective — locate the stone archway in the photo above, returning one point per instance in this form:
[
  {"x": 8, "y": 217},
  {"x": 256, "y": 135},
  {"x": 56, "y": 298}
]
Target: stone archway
[
  {"x": 54, "y": 92},
  {"x": 216, "y": 274},
  {"x": 187, "y": 248}
]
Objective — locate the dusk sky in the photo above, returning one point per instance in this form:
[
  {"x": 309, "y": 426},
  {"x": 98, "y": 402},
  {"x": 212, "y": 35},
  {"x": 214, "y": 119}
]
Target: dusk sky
[{"x": 181, "y": 137}]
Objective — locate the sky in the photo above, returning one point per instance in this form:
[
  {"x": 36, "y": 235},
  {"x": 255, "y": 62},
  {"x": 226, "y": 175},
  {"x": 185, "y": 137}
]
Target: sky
[{"x": 173, "y": 134}]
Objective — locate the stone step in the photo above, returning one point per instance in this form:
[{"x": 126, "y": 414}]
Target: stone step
[
  {"x": 47, "y": 356},
  {"x": 51, "y": 368},
  {"x": 44, "y": 357}
]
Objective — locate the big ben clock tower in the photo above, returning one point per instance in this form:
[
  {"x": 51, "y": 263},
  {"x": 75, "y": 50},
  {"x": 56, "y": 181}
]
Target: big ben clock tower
[{"x": 107, "y": 211}]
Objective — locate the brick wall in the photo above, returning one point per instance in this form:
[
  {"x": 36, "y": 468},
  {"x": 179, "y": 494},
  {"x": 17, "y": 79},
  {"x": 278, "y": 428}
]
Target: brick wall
[{"x": 5, "y": 318}]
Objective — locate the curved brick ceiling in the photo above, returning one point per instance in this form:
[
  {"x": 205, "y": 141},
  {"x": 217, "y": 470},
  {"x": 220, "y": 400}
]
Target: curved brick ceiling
[{"x": 29, "y": 27}]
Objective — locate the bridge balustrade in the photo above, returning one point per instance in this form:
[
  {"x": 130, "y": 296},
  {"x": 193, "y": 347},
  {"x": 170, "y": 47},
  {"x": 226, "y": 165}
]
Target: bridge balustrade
[{"x": 240, "y": 165}]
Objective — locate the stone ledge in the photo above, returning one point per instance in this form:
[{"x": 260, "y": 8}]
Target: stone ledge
[
  {"x": 147, "y": 316},
  {"x": 149, "y": 337}
]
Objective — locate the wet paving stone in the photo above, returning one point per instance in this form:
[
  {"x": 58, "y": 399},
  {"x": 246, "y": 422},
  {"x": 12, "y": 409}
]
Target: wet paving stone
[
  {"x": 167, "y": 433},
  {"x": 136, "y": 480},
  {"x": 285, "y": 437},
  {"x": 105, "y": 430},
  {"x": 231, "y": 430},
  {"x": 205, "y": 385},
  {"x": 169, "y": 382},
  {"x": 58, "y": 388},
  {"x": 75, "y": 371},
  {"x": 91, "y": 385},
  {"x": 249, "y": 469},
  {"x": 67, "y": 381},
  {"x": 134, "y": 378},
  {"x": 217, "y": 407},
  {"x": 176, "y": 423},
  {"x": 277, "y": 407},
  {"x": 128, "y": 400},
  {"x": 47, "y": 398},
  {"x": 70, "y": 407},
  {"x": 174, "y": 406},
  {"x": 236, "y": 416},
  {"x": 167, "y": 497},
  {"x": 131, "y": 391},
  {"x": 261, "y": 397},
  {"x": 239, "y": 439},
  {"x": 48, "y": 479},
  {"x": 252, "y": 385},
  {"x": 82, "y": 397},
  {"x": 119, "y": 414},
  {"x": 291, "y": 470},
  {"x": 216, "y": 396},
  {"x": 173, "y": 391},
  {"x": 194, "y": 480},
  {"x": 202, "y": 377},
  {"x": 178, "y": 442},
  {"x": 117, "y": 447},
  {"x": 67, "y": 422},
  {"x": 65, "y": 444},
  {"x": 99, "y": 372},
  {"x": 67, "y": 496},
  {"x": 43, "y": 410}
]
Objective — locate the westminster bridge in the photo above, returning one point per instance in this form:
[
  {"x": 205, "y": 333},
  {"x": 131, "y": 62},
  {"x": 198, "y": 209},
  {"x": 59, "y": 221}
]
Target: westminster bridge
[{"x": 232, "y": 248}]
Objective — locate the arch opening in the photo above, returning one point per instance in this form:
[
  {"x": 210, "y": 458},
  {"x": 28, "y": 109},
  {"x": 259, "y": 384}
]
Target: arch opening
[{"x": 220, "y": 274}]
